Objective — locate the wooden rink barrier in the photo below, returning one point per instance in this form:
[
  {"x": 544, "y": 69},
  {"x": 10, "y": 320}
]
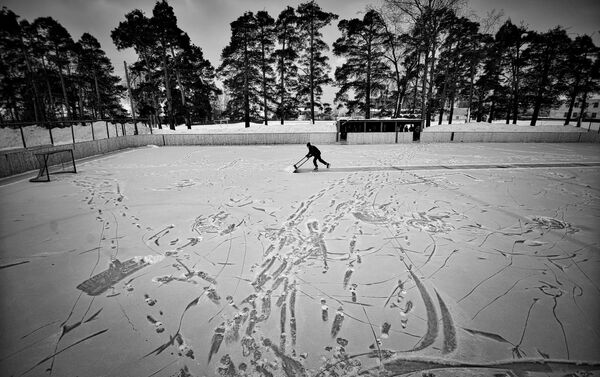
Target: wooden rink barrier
[{"x": 21, "y": 160}]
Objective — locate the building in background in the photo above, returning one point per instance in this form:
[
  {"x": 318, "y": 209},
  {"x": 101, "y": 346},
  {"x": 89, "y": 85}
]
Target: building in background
[{"x": 592, "y": 110}]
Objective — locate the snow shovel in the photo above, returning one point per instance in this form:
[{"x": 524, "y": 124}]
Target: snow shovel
[{"x": 300, "y": 163}]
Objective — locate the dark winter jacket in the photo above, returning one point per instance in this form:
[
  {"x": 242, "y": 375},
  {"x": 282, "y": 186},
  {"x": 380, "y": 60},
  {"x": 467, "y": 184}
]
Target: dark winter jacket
[{"x": 313, "y": 151}]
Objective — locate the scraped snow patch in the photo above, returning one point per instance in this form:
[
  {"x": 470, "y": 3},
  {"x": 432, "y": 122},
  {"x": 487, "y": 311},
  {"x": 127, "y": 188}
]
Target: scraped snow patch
[{"x": 150, "y": 259}]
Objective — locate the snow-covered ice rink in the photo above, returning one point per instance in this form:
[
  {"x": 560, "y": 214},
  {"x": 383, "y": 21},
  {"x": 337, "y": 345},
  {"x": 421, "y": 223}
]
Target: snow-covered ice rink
[{"x": 470, "y": 259}]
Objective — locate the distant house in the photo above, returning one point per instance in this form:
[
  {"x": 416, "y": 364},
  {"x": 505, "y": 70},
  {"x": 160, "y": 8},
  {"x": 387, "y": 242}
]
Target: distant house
[{"x": 592, "y": 110}]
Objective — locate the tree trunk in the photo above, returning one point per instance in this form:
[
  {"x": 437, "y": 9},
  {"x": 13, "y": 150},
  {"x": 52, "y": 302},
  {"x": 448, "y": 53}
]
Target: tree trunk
[
  {"x": 168, "y": 90},
  {"x": 443, "y": 97},
  {"x": 264, "y": 85},
  {"x": 540, "y": 92},
  {"x": 492, "y": 107},
  {"x": 536, "y": 106},
  {"x": 311, "y": 74},
  {"x": 424, "y": 89},
  {"x": 368, "y": 84},
  {"x": 583, "y": 108},
  {"x": 98, "y": 100},
  {"x": 31, "y": 79},
  {"x": 182, "y": 92},
  {"x": 64, "y": 90},
  {"x": 282, "y": 83},
  {"x": 246, "y": 83},
  {"x": 188, "y": 121},
  {"x": 451, "y": 114},
  {"x": 397, "y": 78},
  {"x": 401, "y": 98},
  {"x": 154, "y": 99},
  {"x": 131, "y": 100},
  {"x": 81, "y": 113},
  {"x": 574, "y": 94},
  {"x": 431, "y": 80},
  {"x": 413, "y": 108},
  {"x": 480, "y": 107},
  {"x": 515, "y": 109},
  {"x": 472, "y": 79},
  {"x": 50, "y": 96}
]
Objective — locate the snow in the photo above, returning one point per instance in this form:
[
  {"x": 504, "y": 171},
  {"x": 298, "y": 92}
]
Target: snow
[
  {"x": 493, "y": 263},
  {"x": 36, "y": 136},
  {"x": 521, "y": 126},
  {"x": 271, "y": 127}
]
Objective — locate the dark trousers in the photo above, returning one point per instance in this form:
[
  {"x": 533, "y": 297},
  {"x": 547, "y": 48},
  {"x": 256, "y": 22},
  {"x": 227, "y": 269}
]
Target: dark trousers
[{"x": 318, "y": 158}]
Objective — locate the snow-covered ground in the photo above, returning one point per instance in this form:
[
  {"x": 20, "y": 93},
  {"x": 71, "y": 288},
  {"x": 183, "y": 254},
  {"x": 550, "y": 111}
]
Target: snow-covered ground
[
  {"x": 521, "y": 126},
  {"x": 216, "y": 261},
  {"x": 271, "y": 127}
]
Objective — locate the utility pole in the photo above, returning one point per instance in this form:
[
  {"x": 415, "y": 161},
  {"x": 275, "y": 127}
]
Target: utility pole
[{"x": 131, "y": 102}]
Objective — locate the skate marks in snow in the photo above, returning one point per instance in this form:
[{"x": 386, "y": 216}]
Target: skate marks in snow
[
  {"x": 115, "y": 287},
  {"x": 528, "y": 256},
  {"x": 105, "y": 199},
  {"x": 356, "y": 277},
  {"x": 297, "y": 250}
]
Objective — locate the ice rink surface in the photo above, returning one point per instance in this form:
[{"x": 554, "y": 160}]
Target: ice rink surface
[{"x": 449, "y": 259}]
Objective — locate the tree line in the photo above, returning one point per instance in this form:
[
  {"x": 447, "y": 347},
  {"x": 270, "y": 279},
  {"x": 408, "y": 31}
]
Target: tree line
[
  {"x": 420, "y": 56},
  {"x": 47, "y": 76}
]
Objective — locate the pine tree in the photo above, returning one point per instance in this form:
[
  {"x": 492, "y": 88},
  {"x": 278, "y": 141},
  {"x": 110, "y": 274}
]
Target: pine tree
[
  {"x": 168, "y": 37},
  {"x": 511, "y": 41},
  {"x": 363, "y": 45},
  {"x": 285, "y": 57},
  {"x": 395, "y": 46},
  {"x": 137, "y": 32},
  {"x": 197, "y": 78},
  {"x": 428, "y": 19},
  {"x": 240, "y": 68},
  {"x": 265, "y": 34},
  {"x": 456, "y": 58},
  {"x": 487, "y": 87},
  {"x": 313, "y": 62},
  {"x": 56, "y": 44},
  {"x": 96, "y": 73},
  {"x": 544, "y": 80},
  {"x": 18, "y": 90},
  {"x": 581, "y": 56}
]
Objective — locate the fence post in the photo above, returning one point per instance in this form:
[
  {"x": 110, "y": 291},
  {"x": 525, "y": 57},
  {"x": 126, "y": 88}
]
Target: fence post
[
  {"x": 23, "y": 137},
  {"x": 73, "y": 133},
  {"x": 93, "y": 136},
  {"x": 107, "y": 134}
]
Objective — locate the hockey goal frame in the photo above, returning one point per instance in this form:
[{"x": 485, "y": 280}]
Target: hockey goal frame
[{"x": 45, "y": 163}]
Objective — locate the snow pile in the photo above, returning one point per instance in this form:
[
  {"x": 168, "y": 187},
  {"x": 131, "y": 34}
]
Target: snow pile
[
  {"x": 289, "y": 169},
  {"x": 272, "y": 127},
  {"x": 521, "y": 126}
]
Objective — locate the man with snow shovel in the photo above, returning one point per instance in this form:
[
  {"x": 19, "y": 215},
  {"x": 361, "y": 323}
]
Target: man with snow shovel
[{"x": 316, "y": 153}]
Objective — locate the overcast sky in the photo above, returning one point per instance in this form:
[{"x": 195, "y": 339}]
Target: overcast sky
[{"x": 207, "y": 21}]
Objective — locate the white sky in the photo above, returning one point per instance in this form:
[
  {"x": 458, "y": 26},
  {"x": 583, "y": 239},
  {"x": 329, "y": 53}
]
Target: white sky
[{"x": 207, "y": 21}]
